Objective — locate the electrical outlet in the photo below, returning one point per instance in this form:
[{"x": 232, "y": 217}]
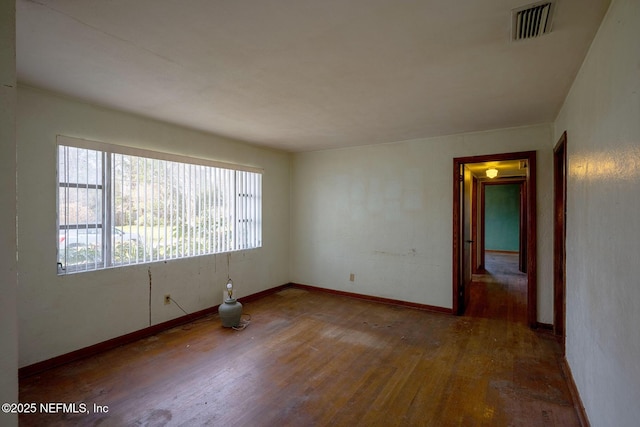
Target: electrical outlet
[
  {"x": 167, "y": 299},
  {"x": 352, "y": 277}
]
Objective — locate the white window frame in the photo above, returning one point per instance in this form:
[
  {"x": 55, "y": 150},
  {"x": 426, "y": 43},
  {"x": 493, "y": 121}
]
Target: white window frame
[{"x": 240, "y": 186}]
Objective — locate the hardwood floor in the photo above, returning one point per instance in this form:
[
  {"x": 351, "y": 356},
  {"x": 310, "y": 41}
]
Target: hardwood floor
[
  {"x": 312, "y": 358},
  {"x": 501, "y": 292}
]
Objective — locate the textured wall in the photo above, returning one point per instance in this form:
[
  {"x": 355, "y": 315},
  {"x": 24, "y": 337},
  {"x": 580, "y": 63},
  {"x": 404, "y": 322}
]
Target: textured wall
[{"x": 602, "y": 118}]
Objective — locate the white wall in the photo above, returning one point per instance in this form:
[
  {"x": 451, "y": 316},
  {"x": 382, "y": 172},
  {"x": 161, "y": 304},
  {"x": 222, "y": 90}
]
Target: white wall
[
  {"x": 602, "y": 118},
  {"x": 383, "y": 212},
  {"x": 8, "y": 265},
  {"x": 59, "y": 314}
]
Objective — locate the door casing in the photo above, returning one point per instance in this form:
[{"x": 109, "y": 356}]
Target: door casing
[
  {"x": 559, "y": 236},
  {"x": 458, "y": 305}
]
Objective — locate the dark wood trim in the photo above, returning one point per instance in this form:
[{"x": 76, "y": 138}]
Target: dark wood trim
[
  {"x": 522, "y": 258},
  {"x": 262, "y": 294},
  {"x": 457, "y": 236},
  {"x": 559, "y": 236},
  {"x": 493, "y": 251},
  {"x": 387, "y": 301},
  {"x": 546, "y": 330},
  {"x": 575, "y": 394},
  {"x": 532, "y": 297},
  {"x": 483, "y": 211},
  {"x": 504, "y": 181},
  {"x": 103, "y": 346},
  {"x": 545, "y": 326},
  {"x": 476, "y": 267},
  {"x": 548, "y": 327},
  {"x": 532, "y": 242}
]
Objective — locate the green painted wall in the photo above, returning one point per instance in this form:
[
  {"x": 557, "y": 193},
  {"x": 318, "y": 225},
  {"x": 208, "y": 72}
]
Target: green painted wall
[{"x": 502, "y": 217}]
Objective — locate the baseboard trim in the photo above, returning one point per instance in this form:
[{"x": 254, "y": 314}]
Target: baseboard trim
[
  {"x": 103, "y": 346},
  {"x": 575, "y": 395},
  {"x": 388, "y": 301},
  {"x": 546, "y": 328},
  {"x": 262, "y": 294}
]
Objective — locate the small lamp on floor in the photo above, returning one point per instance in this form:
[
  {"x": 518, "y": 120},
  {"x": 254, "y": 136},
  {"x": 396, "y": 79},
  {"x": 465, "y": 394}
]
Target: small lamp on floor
[{"x": 230, "y": 310}]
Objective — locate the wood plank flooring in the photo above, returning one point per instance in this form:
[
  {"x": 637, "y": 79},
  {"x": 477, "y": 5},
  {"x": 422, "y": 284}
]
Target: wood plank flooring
[
  {"x": 501, "y": 291},
  {"x": 311, "y": 358}
]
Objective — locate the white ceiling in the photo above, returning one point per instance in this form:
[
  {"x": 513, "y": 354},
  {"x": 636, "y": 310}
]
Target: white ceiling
[{"x": 302, "y": 75}]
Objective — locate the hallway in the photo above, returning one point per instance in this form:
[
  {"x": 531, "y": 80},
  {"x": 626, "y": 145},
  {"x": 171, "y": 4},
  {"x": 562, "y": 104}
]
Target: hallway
[{"x": 501, "y": 292}]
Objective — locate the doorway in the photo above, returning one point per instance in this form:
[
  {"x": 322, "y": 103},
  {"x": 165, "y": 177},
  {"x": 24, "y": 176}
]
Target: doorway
[
  {"x": 504, "y": 221},
  {"x": 465, "y": 240}
]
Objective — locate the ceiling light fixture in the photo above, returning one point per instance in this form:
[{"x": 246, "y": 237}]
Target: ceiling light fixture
[{"x": 492, "y": 173}]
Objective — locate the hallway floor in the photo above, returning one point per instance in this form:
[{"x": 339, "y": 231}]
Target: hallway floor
[{"x": 501, "y": 292}]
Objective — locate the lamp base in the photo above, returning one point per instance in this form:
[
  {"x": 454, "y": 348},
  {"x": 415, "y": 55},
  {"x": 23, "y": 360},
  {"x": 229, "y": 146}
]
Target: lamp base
[{"x": 230, "y": 312}]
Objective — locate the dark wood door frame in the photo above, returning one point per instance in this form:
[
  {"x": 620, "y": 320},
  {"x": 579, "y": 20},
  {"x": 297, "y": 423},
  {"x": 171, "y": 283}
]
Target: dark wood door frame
[
  {"x": 522, "y": 256},
  {"x": 532, "y": 296},
  {"x": 559, "y": 236},
  {"x": 523, "y": 217},
  {"x": 476, "y": 267}
]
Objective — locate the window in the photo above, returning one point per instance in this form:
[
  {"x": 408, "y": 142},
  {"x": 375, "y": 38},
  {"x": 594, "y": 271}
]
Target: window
[{"x": 119, "y": 206}]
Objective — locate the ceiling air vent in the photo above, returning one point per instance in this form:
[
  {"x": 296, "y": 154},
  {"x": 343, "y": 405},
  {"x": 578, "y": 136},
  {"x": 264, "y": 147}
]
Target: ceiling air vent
[{"x": 531, "y": 21}]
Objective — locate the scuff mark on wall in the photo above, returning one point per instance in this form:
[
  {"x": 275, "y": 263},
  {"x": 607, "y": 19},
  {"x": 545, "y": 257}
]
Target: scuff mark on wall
[{"x": 412, "y": 253}]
